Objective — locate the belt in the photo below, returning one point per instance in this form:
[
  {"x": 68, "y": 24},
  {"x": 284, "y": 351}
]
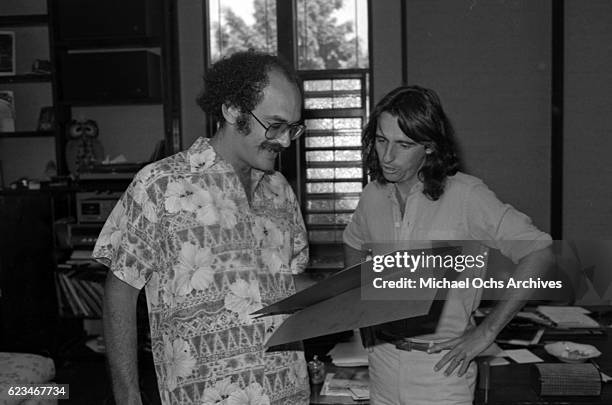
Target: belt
[{"x": 404, "y": 343}]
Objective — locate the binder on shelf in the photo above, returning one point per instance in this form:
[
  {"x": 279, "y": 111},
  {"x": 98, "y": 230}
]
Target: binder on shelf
[
  {"x": 64, "y": 287},
  {"x": 80, "y": 304},
  {"x": 85, "y": 298},
  {"x": 62, "y": 301},
  {"x": 94, "y": 298},
  {"x": 79, "y": 286}
]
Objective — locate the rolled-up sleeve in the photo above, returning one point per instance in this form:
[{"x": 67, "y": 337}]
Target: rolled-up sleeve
[{"x": 500, "y": 225}]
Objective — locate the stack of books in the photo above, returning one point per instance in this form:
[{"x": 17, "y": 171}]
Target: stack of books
[{"x": 80, "y": 290}]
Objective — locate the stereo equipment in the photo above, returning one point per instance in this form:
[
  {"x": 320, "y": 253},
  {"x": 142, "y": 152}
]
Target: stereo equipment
[
  {"x": 111, "y": 76},
  {"x": 83, "y": 236},
  {"x": 95, "y": 207}
]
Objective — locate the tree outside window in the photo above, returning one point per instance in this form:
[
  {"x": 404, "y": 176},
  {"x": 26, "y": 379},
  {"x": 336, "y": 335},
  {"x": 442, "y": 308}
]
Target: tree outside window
[{"x": 331, "y": 34}]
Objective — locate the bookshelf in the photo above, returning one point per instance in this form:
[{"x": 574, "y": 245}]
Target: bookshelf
[
  {"x": 45, "y": 30},
  {"x": 80, "y": 289},
  {"x": 21, "y": 142}
]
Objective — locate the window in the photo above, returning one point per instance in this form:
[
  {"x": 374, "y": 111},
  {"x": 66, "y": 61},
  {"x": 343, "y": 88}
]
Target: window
[
  {"x": 238, "y": 25},
  {"x": 333, "y": 176},
  {"x": 330, "y": 49}
]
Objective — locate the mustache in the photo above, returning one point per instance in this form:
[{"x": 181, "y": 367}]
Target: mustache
[{"x": 276, "y": 147}]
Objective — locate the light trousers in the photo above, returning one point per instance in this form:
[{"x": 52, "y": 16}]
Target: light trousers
[{"x": 399, "y": 377}]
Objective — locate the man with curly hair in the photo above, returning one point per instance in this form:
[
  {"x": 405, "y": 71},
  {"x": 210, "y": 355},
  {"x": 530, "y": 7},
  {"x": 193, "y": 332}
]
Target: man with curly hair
[{"x": 212, "y": 234}]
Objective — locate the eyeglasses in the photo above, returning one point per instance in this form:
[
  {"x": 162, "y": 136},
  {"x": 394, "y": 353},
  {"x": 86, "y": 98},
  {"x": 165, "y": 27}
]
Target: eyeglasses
[{"x": 277, "y": 129}]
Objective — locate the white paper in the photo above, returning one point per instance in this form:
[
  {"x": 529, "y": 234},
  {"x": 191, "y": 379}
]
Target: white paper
[
  {"x": 568, "y": 317},
  {"x": 523, "y": 356},
  {"x": 349, "y": 354}
]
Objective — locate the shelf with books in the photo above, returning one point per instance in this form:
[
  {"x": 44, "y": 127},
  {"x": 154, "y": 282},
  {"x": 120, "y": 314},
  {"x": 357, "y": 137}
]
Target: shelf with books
[
  {"x": 80, "y": 290},
  {"x": 27, "y": 92}
]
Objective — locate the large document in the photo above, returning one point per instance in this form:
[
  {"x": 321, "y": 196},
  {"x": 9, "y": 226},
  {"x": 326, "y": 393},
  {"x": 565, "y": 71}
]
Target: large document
[{"x": 340, "y": 302}]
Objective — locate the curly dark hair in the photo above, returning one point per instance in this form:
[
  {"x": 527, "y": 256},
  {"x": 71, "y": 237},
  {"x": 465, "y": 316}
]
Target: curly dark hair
[
  {"x": 238, "y": 80},
  {"x": 420, "y": 116}
]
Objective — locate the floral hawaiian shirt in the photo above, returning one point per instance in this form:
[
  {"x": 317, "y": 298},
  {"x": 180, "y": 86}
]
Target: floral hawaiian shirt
[{"x": 185, "y": 231}]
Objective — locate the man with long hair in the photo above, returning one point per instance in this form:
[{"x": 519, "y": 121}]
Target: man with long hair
[{"x": 417, "y": 193}]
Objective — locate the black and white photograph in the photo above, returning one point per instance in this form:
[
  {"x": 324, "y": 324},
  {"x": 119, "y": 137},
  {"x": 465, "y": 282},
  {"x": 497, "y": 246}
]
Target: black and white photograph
[{"x": 306, "y": 202}]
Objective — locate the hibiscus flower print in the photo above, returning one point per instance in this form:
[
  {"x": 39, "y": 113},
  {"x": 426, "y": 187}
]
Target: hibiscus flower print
[
  {"x": 251, "y": 395},
  {"x": 219, "y": 392},
  {"x": 204, "y": 207},
  {"x": 178, "y": 361},
  {"x": 268, "y": 233},
  {"x": 243, "y": 298},
  {"x": 193, "y": 270},
  {"x": 115, "y": 226},
  {"x": 227, "y": 213},
  {"x": 272, "y": 259},
  {"x": 142, "y": 198},
  {"x": 177, "y": 197},
  {"x": 226, "y": 207},
  {"x": 203, "y": 160}
]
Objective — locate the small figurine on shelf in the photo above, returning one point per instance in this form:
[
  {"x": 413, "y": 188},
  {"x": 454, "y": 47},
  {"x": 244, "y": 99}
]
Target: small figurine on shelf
[{"x": 83, "y": 149}]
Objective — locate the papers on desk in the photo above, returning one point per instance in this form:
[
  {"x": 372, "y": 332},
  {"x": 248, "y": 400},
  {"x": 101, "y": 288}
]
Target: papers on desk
[
  {"x": 568, "y": 317},
  {"x": 349, "y": 354},
  {"x": 347, "y": 383},
  {"x": 522, "y": 356}
]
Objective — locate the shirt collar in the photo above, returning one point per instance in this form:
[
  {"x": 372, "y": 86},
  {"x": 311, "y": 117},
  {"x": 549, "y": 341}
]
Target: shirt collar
[
  {"x": 416, "y": 188},
  {"x": 201, "y": 155}
]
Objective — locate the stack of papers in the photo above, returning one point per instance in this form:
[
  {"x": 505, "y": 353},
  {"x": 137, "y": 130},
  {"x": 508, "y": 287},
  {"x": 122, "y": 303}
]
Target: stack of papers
[
  {"x": 568, "y": 317},
  {"x": 348, "y": 382},
  {"x": 349, "y": 354}
]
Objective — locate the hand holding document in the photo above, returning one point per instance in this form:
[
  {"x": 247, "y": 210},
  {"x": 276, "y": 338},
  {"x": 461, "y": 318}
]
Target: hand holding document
[{"x": 336, "y": 304}]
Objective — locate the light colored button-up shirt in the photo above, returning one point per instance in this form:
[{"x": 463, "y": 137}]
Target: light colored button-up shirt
[
  {"x": 185, "y": 231},
  {"x": 467, "y": 210}
]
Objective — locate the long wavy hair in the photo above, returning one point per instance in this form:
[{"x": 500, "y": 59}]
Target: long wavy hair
[{"x": 420, "y": 116}]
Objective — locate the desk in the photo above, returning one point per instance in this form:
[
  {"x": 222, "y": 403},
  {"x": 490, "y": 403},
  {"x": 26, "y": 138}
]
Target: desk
[{"x": 511, "y": 384}]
